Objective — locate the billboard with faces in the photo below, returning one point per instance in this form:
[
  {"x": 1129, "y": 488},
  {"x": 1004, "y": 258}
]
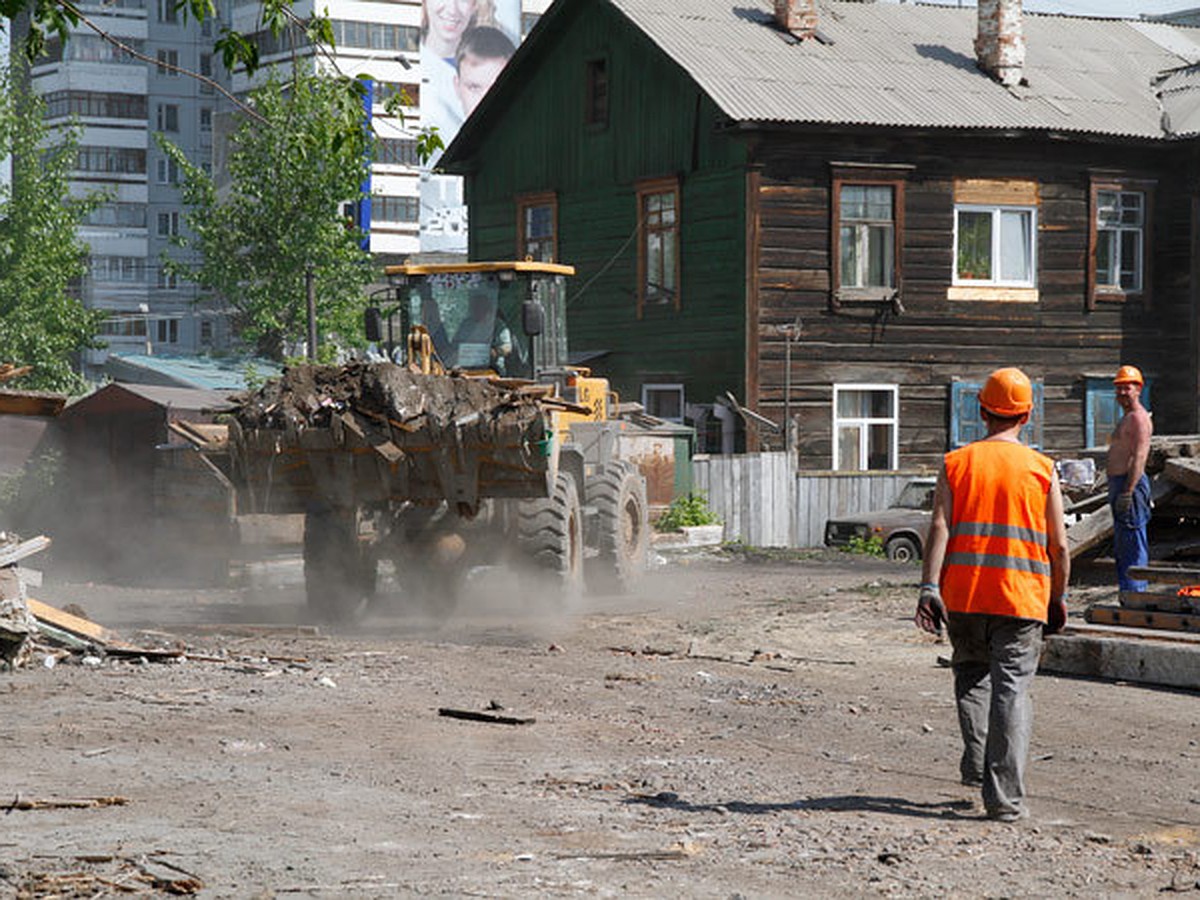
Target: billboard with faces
[{"x": 464, "y": 46}]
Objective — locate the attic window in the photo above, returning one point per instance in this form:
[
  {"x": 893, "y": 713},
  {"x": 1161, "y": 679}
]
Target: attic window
[{"x": 596, "y": 103}]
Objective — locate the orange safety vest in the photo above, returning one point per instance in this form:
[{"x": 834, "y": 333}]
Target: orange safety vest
[{"x": 996, "y": 560}]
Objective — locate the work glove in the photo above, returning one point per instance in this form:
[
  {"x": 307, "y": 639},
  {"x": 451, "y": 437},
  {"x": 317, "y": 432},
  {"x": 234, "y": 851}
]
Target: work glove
[
  {"x": 1056, "y": 616},
  {"x": 1122, "y": 505},
  {"x": 931, "y": 611}
]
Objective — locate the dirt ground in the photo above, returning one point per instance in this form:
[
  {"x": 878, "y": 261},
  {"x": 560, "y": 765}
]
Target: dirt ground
[{"x": 740, "y": 728}]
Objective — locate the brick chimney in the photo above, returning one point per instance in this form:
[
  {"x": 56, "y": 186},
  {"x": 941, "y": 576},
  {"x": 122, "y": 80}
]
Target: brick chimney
[
  {"x": 1000, "y": 42},
  {"x": 797, "y": 16}
]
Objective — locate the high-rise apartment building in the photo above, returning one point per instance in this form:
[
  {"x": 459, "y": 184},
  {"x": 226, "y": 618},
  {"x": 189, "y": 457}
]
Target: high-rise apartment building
[{"x": 120, "y": 101}]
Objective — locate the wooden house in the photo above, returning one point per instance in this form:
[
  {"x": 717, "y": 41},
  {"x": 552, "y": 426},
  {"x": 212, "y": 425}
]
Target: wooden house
[{"x": 910, "y": 195}]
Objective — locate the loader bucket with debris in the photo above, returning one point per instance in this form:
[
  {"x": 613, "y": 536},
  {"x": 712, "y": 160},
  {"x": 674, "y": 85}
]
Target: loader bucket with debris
[{"x": 371, "y": 434}]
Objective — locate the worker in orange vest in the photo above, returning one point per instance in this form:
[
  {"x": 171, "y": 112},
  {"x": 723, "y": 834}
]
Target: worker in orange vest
[{"x": 995, "y": 573}]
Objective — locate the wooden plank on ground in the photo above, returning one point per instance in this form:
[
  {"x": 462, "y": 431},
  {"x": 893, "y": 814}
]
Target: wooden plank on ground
[
  {"x": 1155, "y": 600},
  {"x": 1166, "y": 573},
  {"x": 76, "y": 625},
  {"x": 1105, "y": 614},
  {"x": 1128, "y": 632},
  {"x": 1125, "y": 659}
]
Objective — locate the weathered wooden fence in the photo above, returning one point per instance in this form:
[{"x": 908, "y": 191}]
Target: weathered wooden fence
[{"x": 766, "y": 502}]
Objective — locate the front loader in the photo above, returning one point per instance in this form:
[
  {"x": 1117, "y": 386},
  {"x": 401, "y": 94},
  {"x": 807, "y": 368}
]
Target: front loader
[{"x": 474, "y": 444}]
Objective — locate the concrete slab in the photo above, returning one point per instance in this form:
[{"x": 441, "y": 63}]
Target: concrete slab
[{"x": 1110, "y": 654}]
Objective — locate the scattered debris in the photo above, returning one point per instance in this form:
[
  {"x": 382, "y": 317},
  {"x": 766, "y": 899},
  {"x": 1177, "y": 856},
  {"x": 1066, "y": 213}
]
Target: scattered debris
[
  {"x": 679, "y": 851},
  {"x": 493, "y": 718},
  {"x": 66, "y": 803}
]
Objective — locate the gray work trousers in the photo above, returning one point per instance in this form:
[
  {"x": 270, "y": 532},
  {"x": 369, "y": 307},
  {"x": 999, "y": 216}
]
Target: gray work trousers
[{"x": 994, "y": 661}]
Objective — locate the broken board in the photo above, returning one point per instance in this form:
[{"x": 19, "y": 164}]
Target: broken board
[
  {"x": 1164, "y": 573},
  {"x": 1105, "y": 614},
  {"x": 1160, "y": 601},
  {"x": 75, "y": 625}
]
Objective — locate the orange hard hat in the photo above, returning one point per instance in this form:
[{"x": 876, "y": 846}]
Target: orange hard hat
[
  {"x": 1129, "y": 375},
  {"x": 1007, "y": 393}
]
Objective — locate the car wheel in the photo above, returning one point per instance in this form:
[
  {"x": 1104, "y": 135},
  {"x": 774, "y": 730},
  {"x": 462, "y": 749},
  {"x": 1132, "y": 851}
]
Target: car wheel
[{"x": 902, "y": 549}]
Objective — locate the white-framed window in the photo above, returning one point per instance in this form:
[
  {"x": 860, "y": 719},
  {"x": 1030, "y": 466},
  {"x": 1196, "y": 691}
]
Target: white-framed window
[
  {"x": 995, "y": 245},
  {"x": 866, "y": 235},
  {"x": 866, "y": 427},
  {"x": 1120, "y": 239},
  {"x": 168, "y": 281},
  {"x": 167, "y": 170},
  {"x": 168, "y": 331},
  {"x": 168, "y": 224},
  {"x": 166, "y": 59},
  {"x": 168, "y": 117},
  {"x": 664, "y": 401},
  {"x": 206, "y": 118}
]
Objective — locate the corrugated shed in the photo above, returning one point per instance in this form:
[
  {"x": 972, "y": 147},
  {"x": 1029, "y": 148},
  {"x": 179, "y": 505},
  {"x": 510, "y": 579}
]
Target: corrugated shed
[{"x": 914, "y": 66}]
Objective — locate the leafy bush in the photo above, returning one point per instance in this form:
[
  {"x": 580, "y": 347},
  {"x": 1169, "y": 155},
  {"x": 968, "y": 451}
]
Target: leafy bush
[
  {"x": 685, "y": 512},
  {"x": 870, "y": 546}
]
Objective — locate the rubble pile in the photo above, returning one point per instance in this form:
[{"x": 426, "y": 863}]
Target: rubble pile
[
  {"x": 1174, "y": 469},
  {"x": 312, "y": 396}
]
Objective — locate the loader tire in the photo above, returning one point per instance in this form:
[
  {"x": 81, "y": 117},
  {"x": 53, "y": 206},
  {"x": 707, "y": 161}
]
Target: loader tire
[
  {"x": 339, "y": 575},
  {"x": 550, "y": 540},
  {"x": 621, "y": 530}
]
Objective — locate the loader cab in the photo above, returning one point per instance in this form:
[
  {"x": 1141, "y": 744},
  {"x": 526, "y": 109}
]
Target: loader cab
[{"x": 478, "y": 315}]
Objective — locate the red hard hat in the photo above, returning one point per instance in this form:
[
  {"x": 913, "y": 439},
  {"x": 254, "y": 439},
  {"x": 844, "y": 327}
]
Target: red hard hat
[
  {"x": 1007, "y": 393},
  {"x": 1129, "y": 375}
]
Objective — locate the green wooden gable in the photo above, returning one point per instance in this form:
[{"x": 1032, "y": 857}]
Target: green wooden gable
[{"x": 530, "y": 136}]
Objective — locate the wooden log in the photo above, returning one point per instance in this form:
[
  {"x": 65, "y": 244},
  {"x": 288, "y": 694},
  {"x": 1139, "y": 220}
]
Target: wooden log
[{"x": 1104, "y": 614}]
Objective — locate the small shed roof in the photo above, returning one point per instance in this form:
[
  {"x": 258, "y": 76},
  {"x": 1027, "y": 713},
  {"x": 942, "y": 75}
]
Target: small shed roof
[
  {"x": 118, "y": 398},
  {"x": 894, "y": 65},
  {"x": 204, "y": 372}
]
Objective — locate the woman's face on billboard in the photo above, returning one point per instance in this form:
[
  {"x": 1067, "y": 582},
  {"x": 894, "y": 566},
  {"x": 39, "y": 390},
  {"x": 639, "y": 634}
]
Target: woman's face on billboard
[{"x": 447, "y": 19}]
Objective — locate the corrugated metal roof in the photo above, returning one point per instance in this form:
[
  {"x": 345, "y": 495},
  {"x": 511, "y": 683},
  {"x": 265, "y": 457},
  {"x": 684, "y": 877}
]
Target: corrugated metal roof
[
  {"x": 914, "y": 66},
  {"x": 205, "y": 372},
  {"x": 1179, "y": 93}
]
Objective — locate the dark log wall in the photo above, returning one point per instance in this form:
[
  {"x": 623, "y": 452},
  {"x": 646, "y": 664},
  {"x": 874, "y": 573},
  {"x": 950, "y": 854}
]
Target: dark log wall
[{"x": 933, "y": 339}]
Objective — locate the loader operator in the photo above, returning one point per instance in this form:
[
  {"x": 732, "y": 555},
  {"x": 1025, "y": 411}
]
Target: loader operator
[
  {"x": 1128, "y": 486},
  {"x": 483, "y": 340},
  {"x": 998, "y": 555}
]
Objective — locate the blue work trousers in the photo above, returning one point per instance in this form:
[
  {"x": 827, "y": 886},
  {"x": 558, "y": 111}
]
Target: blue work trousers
[{"x": 1129, "y": 531}]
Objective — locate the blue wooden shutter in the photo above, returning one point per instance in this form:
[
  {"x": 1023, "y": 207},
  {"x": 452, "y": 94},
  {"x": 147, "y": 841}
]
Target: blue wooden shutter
[{"x": 966, "y": 424}]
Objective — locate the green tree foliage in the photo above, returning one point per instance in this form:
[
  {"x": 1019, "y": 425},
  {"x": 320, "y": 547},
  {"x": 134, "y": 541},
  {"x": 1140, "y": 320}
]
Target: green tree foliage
[
  {"x": 41, "y": 323},
  {"x": 291, "y": 166}
]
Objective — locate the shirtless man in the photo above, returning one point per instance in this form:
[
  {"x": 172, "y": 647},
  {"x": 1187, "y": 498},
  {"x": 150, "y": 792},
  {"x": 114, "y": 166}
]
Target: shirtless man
[{"x": 1128, "y": 486}]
